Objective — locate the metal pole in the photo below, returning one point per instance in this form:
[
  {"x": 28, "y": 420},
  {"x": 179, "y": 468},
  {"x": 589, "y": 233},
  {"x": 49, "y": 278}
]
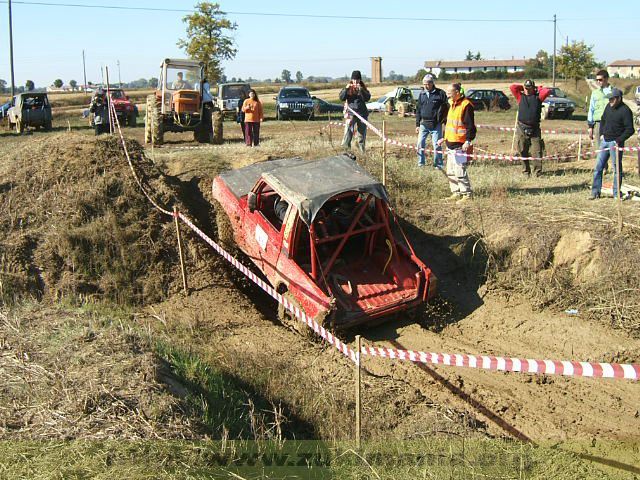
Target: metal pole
[
  {"x": 384, "y": 155},
  {"x": 13, "y": 83},
  {"x": 329, "y": 128},
  {"x": 554, "y": 50},
  {"x": 619, "y": 176},
  {"x": 182, "y": 269},
  {"x": 119, "y": 79},
  {"x": 109, "y": 102},
  {"x": 358, "y": 391},
  {"x": 84, "y": 72}
]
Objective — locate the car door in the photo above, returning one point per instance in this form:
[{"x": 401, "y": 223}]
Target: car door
[{"x": 263, "y": 232}]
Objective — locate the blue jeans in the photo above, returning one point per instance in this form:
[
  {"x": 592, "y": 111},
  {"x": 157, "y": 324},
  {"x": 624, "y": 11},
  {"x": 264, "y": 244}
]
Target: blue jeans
[
  {"x": 354, "y": 125},
  {"x": 608, "y": 149},
  {"x": 436, "y": 134}
]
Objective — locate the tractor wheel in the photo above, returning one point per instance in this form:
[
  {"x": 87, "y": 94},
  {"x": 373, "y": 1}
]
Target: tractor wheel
[
  {"x": 217, "y": 127},
  {"x": 153, "y": 121},
  {"x": 48, "y": 126},
  {"x": 19, "y": 126},
  {"x": 402, "y": 109},
  {"x": 132, "y": 120}
]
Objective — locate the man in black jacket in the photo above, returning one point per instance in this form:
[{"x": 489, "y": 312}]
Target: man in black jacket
[
  {"x": 431, "y": 113},
  {"x": 616, "y": 126},
  {"x": 356, "y": 95}
]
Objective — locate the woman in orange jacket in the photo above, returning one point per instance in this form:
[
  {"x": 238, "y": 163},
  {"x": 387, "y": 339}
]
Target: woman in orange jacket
[{"x": 252, "y": 109}]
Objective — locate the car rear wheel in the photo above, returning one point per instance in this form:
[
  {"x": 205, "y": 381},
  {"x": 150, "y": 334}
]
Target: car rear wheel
[
  {"x": 217, "y": 127},
  {"x": 153, "y": 121}
]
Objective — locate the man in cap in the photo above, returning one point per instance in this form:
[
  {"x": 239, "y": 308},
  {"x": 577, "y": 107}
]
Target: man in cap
[
  {"x": 356, "y": 96},
  {"x": 616, "y": 126},
  {"x": 528, "y": 135},
  {"x": 431, "y": 113},
  {"x": 99, "y": 108}
]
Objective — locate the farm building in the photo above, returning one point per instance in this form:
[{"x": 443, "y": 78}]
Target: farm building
[
  {"x": 625, "y": 68},
  {"x": 469, "y": 66}
]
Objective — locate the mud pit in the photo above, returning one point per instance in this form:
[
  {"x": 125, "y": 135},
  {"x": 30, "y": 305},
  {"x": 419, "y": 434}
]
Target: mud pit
[{"x": 232, "y": 323}]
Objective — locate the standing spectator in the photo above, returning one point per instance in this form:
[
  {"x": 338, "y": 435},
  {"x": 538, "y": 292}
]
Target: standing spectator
[
  {"x": 616, "y": 126},
  {"x": 356, "y": 95},
  {"x": 431, "y": 113},
  {"x": 459, "y": 132},
  {"x": 528, "y": 134},
  {"x": 597, "y": 103},
  {"x": 240, "y": 116},
  {"x": 99, "y": 108},
  {"x": 207, "y": 99},
  {"x": 253, "y": 115}
]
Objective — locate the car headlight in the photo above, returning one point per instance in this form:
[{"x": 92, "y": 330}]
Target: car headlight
[
  {"x": 284, "y": 105},
  {"x": 572, "y": 105}
]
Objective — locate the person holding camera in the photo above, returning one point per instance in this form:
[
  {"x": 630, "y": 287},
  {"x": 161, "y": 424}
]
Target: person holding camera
[
  {"x": 528, "y": 135},
  {"x": 99, "y": 108},
  {"x": 356, "y": 96}
]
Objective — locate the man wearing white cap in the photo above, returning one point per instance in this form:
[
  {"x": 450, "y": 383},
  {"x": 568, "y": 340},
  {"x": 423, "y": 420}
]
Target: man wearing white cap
[{"x": 431, "y": 113}]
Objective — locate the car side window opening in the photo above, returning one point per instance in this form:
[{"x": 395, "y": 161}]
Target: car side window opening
[{"x": 271, "y": 206}]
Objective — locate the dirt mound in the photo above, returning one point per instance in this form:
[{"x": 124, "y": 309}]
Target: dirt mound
[{"x": 74, "y": 221}]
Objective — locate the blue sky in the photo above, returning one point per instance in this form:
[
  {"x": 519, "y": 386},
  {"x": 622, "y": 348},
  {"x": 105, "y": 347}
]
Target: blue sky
[{"x": 48, "y": 40}]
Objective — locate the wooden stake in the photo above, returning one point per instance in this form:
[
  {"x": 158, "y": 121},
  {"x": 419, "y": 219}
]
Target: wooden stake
[
  {"x": 358, "y": 404},
  {"x": 182, "y": 269},
  {"x": 384, "y": 155},
  {"x": 109, "y": 102},
  {"x": 329, "y": 128},
  {"x": 619, "y": 175},
  {"x": 580, "y": 147},
  {"x": 515, "y": 126}
]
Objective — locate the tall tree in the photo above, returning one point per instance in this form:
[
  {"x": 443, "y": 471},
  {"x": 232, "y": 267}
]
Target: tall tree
[
  {"x": 206, "y": 40},
  {"x": 3, "y": 85},
  {"x": 286, "y": 76},
  {"x": 477, "y": 56},
  {"x": 299, "y": 76},
  {"x": 576, "y": 60},
  {"x": 153, "y": 82},
  {"x": 58, "y": 83},
  {"x": 469, "y": 55},
  {"x": 73, "y": 84},
  {"x": 29, "y": 85}
]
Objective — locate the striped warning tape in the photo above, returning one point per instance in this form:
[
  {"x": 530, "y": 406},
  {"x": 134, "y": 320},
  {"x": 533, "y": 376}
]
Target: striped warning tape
[
  {"x": 548, "y": 367},
  {"x": 558, "y": 131},
  {"x": 507, "y": 364}
]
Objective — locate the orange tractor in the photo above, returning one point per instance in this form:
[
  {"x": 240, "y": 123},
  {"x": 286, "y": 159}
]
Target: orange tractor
[{"x": 177, "y": 105}]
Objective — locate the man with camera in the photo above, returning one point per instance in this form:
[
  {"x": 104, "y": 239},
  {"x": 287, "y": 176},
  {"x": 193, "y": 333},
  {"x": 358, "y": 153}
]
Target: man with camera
[
  {"x": 528, "y": 135},
  {"x": 356, "y": 96},
  {"x": 99, "y": 109}
]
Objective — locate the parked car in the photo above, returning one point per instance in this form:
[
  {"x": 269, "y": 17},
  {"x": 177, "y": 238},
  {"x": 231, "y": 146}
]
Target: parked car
[
  {"x": 334, "y": 248},
  {"x": 557, "y": 105},
  {"x": 379, "y": 105},
  {"x": 294, "y": 102},
  {"x": 322, "y": 106},
  {"x": 487, "y": 99},
  {"x": 228, "y": 97},
  {"x": 127, "y": 111},
  {"x": 30, "y": 110},
  {"x": 4, "y": 108}
]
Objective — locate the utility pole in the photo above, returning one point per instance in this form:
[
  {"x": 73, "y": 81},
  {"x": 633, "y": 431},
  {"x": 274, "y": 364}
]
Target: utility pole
[
  {"x": 554, "y": 50},
  {"x": 119, "y": 79},
  {"x": 13, "y": 83},
  {"x": 84, "y": 71}
]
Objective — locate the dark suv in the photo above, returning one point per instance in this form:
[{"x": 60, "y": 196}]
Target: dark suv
[
  {"x": 488, "y": 99},
  {"x": 294, "y": 102}
]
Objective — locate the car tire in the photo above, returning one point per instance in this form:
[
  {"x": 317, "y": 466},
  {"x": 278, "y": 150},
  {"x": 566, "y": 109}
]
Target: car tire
[
  {"x": 278, "y": 115},
  {"x": 48, "y": 126},
  {"x": 312, "y": 116}
]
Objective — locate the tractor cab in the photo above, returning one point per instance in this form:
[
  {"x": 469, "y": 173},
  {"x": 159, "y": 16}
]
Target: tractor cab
[{"x": 181, "y": 86}]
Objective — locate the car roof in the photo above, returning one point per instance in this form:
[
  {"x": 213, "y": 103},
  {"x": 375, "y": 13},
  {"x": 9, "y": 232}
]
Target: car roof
[{"x": 307, "y": 184}]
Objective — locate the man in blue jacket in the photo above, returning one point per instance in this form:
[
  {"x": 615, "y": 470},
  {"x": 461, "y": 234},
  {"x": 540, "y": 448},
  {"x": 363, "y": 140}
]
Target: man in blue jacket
[{"x": 431, "y": 113}]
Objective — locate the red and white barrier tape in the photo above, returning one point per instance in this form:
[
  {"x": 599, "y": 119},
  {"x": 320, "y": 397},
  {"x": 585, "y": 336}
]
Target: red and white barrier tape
[
  {"x": 559, "y": 131},
  {"x": 549, "y": 367},
  {"x": 506, "y": 364}
]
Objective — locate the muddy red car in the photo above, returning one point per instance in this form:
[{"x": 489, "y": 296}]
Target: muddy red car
[{"x": 324, "y": 235}]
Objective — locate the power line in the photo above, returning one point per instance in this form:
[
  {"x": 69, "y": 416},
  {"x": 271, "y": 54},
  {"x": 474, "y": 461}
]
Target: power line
[{"x": 269, "y": 14}]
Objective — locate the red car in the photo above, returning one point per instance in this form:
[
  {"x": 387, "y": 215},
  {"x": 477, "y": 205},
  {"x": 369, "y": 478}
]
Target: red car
[
  {"x": 126, "y": 110},
  {"x": 323, "y": 234}
]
